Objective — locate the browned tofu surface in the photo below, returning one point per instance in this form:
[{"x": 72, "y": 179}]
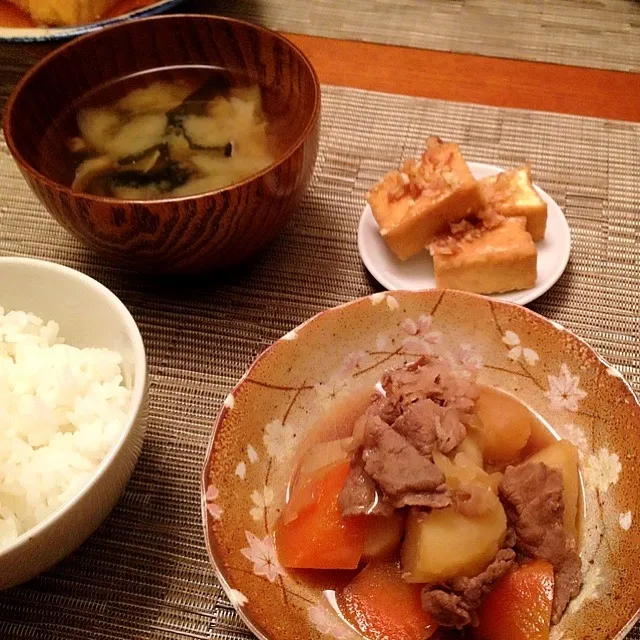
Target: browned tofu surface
[
  {"x": 65, "y": 12},
  {"x": 413, "y": 205},
  {"x": 512, "y": 194},
  {"x": 487, "y": 260}
]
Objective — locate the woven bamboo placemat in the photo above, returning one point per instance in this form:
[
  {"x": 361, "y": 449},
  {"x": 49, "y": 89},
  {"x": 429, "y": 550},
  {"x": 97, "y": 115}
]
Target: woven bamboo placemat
[
  {"x": 145, "y": 573},
  {"x": 591, "y": 33}
]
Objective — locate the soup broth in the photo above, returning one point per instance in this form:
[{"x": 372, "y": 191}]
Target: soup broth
[{"x": 166, "y": 133}]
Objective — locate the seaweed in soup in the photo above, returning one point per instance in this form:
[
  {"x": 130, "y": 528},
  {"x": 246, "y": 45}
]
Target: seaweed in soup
[{"x": 170, "y": 133}]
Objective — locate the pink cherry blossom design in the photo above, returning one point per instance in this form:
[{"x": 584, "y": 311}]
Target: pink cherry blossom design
[
  {"x": 469, "y": 360},
  {"x": 421, "y": 340},
  {"x": 564, "y": 390},
  {"x": 432, "y": 337},
  {"x": 214, "y": 509},
  {"x": 424, "y": 323},
  {"x": 262, "y": 553},
  {"x": 409, "y": 326},
  {"x": 382, "y": 342},
  {"x": 417, "y": 345}
]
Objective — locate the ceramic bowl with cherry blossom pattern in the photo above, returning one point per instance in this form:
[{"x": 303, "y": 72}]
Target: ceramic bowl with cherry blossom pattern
[{"x": 343, "y": 350}]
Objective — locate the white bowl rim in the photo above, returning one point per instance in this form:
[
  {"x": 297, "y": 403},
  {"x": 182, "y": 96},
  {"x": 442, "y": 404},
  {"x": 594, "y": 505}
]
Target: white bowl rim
[{"x": 137, "y": 392}]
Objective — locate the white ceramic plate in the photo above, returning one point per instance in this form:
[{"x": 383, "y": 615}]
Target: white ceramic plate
[
  {"x": 47, "y": 34},
  {"x": 417, "y": 273}
]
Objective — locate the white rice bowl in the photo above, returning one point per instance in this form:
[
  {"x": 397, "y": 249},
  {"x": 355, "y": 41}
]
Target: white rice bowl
[{"x": 62, "y": 409}]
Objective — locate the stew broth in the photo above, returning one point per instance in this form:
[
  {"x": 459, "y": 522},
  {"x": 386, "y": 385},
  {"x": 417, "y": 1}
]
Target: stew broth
[{"x": 338, "y": 425}]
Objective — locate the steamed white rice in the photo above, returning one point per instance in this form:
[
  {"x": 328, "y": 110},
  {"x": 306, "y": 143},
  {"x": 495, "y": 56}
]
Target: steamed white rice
[{"x": 61, "y": 411}]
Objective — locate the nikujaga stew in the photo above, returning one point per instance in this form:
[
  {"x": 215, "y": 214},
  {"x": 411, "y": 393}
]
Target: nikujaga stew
[{"x": 437, "y": 507}]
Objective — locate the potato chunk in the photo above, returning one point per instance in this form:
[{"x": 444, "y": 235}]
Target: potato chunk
[
  {"x": 444, "y": 544},
  {"x": 563, "y": 456},
  {"x": 506, "y": 425},
  {"x": 472, "y": 446}
]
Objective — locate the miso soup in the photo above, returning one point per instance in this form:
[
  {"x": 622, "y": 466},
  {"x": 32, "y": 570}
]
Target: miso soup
[{"x": 162, "y": 134}]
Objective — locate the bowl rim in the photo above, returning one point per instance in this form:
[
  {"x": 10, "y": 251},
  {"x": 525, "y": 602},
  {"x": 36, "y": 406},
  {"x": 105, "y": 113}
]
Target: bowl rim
[
  {"x": 224, "y": 409},
  {"x": 60, "y": 188},
  {"x": 138, "y": 391}
]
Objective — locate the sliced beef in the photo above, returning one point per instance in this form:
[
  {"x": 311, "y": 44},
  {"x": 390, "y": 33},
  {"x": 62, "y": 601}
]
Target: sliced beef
[
  {"x": 396, "y": 465},
  {"x": 455, "y": 604},
  {"x": 359, "y": 494},
  {"x": 450, "y": 430},
  {"x": 388, "y": 409},
  {"x": 417, "y": 380},
  {"x": 380, "y": 407},
  {"x": 446, "y": 607},
  {"x": 532, "y": 494},
  {"x": 567, "y": 583},
  {"x": 435, "y": 403},
  {"x": 474, "y": 589},
  {"x": 389, "y": 472},
  {"x": 430, "y": 427},
  {"x": 510, "y": 539},
  {"x": 438, "y": 499},
  {"x": 418, "y": 424},
  {"x": 422, "y": 409},
  {"x": 427, "y": 378}
]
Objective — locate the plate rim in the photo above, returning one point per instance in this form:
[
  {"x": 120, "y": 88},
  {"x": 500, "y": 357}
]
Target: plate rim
[
  {"x": 208, "y": 459},
  {"x": 50, "y": 34},
  {"x": 520, "y": 297}
]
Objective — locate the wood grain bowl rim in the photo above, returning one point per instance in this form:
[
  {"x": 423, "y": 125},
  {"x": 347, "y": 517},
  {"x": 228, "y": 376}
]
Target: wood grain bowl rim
[
  {"x": 192, "y": 17},
  {"x": 552, "y": 326}
]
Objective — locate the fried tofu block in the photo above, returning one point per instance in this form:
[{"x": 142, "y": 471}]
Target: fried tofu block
[
  {"x": 413, "y": 205},
  {"x": 65, "y": 12},
  {"x": 512, "y": 194},
  {"x": 482, "y": 260}
]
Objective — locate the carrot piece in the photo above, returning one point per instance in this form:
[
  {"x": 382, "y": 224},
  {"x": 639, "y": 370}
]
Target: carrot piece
[
  {"x": 519, "y": 606},
  {"x": 383, "y": 606},
  {"x": 319, "y": 537}
]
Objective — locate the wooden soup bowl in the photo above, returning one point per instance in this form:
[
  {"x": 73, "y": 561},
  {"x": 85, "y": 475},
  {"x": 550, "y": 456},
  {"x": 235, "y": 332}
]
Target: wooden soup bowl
[{"x": 189, "y": 234}]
